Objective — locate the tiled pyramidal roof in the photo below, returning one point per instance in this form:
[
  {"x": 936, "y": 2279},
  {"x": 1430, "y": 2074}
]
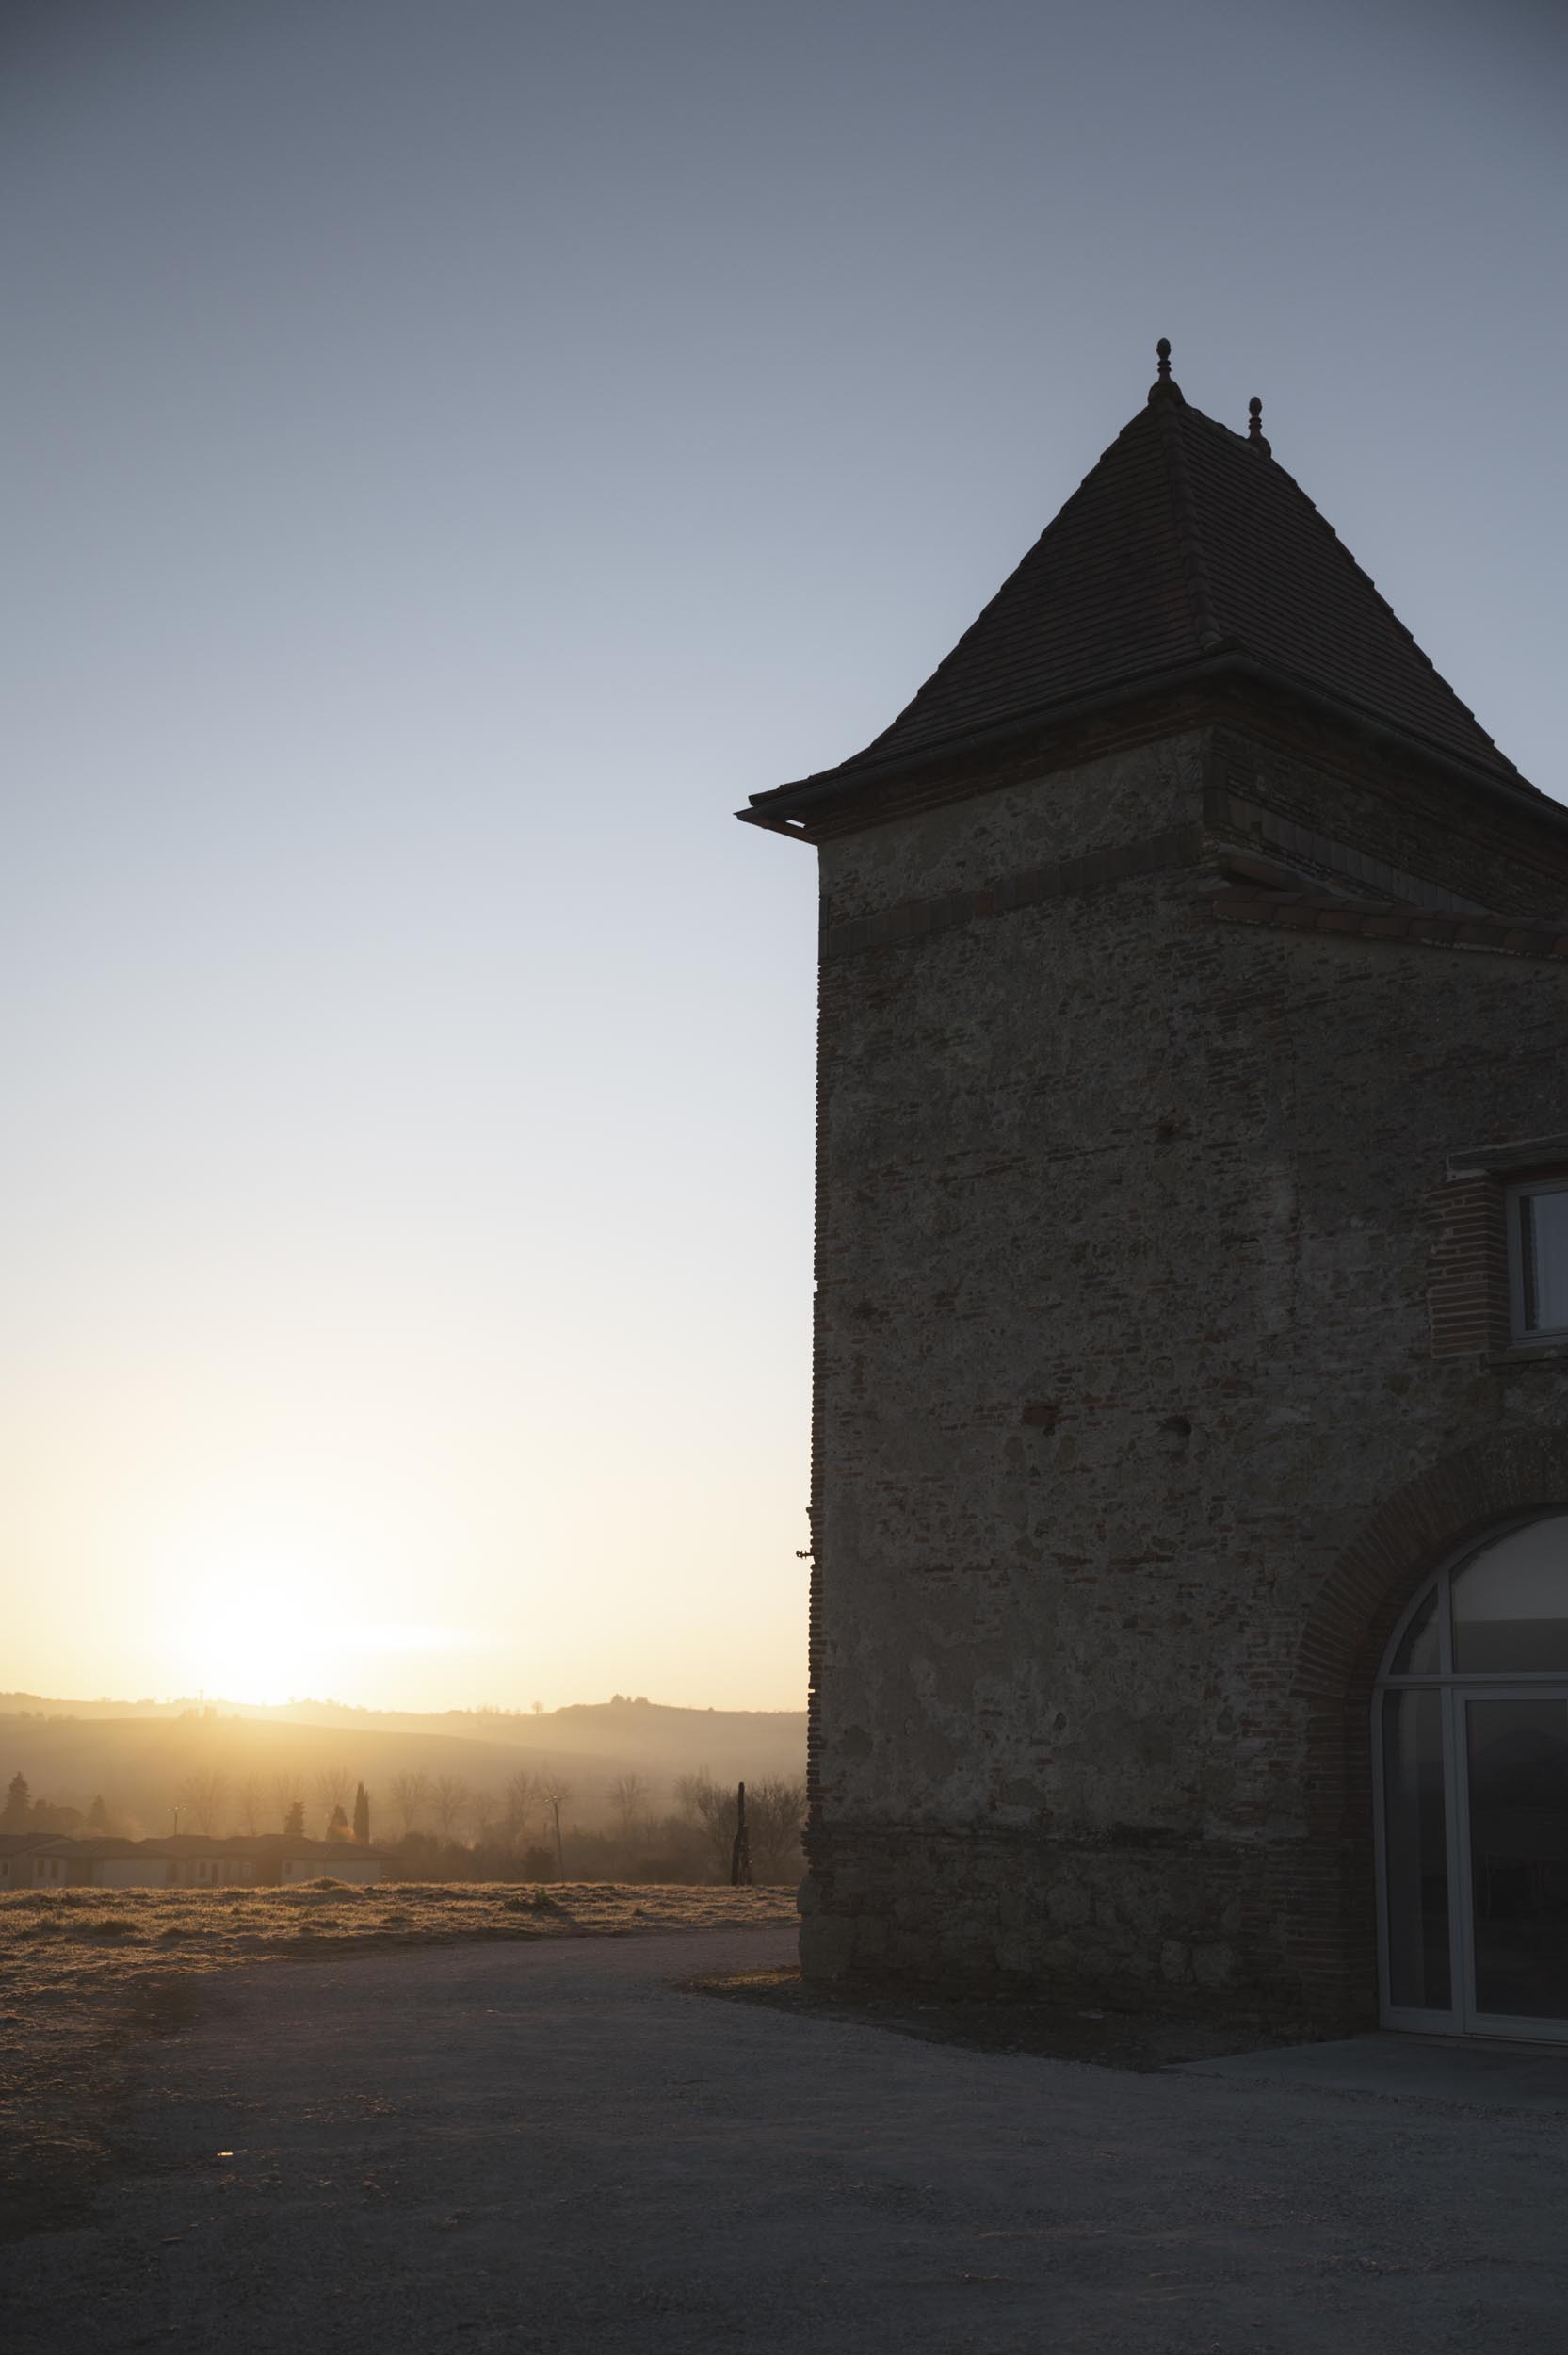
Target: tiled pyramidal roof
[{"x": 1186, "y": 544}]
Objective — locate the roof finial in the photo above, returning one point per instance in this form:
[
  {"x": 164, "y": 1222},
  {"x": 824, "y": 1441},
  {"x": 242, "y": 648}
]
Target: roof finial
[
  {"x": 1255, "y": 427},
  {"x": 1165, "y": 387}
]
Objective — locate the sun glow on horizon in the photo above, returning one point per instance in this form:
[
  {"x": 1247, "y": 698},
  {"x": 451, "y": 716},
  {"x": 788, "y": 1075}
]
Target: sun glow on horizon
[
  {"x": 242, "y": 1654},
  {"x": 281, "y": 1612}
]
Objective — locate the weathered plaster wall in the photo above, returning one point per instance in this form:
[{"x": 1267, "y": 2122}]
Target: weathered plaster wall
[
  {"x": 1121, "y": 1337},
  {"x": 967, "y": 844}
]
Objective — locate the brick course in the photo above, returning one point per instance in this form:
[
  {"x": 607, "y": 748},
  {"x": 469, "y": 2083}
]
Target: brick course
[{"x": 1468, "y": 1288}]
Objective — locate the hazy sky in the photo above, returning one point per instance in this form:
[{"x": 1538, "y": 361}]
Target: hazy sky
[{"x": 454, "y": 453}]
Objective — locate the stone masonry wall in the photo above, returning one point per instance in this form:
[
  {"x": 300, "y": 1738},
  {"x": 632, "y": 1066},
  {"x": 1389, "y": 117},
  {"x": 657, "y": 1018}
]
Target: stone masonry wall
[{"x": 1122, "y": 1345}]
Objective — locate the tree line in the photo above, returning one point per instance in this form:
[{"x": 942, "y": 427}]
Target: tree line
[
  {"x": 443, "y": 1827},
  {"x": 22, "y": 1812}
]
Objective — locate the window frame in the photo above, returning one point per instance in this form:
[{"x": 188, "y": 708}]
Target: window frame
[
  {"x": 1522, "y": 1334},
  {"x": 1456, "y": 1689}
]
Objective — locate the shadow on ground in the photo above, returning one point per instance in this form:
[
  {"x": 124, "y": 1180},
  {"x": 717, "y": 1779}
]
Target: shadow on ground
[{"x": 984, "y": 2024}]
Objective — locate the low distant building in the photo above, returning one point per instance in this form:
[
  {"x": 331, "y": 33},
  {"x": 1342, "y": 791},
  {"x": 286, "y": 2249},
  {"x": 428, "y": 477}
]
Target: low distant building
[
  {"x": 294, "y": 1861},
  {"x": 183, "y": 1860},
  {"x": 344, "y": 1861},
  {"x": 267, "y": 1860},
  {"x": 26, "y": 1861},
  {"x": 112, "y": 1863},
  {"x": 200, "y": 1861},
  {"x": 60, "y": 1861}
]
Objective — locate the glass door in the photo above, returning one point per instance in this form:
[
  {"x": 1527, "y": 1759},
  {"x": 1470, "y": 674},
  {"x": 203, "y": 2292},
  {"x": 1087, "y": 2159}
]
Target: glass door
[
  {"x": 1513, "y": 1809},
  {"x": 1415, "y": 1821},
  {"x": 1471, "y": 1762}
]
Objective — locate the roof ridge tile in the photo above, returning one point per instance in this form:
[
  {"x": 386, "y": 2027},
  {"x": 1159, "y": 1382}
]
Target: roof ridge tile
[{"x": 1189, "y": 536}]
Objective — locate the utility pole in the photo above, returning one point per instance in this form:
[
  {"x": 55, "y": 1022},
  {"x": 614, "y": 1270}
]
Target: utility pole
[{"x": 740, "y": 1855}]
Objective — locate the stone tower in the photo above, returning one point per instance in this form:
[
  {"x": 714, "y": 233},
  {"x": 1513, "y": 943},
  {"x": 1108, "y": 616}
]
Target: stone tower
[{"x": 1193, "y": 1058}]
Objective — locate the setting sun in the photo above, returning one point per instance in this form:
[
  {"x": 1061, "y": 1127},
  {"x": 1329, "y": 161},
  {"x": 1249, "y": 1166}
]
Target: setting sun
[
  {"x": 261, "y": 1643},
  {"x": 258, "y": 1606},
  {"x": 253, "y": 1631}
]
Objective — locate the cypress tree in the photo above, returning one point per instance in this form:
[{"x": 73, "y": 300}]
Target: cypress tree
[{"x": 362, "y": 1816}]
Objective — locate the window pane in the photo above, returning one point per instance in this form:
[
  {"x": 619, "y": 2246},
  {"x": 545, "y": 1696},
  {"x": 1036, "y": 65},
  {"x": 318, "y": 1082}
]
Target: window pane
[
  {"x": 1417, "y": 1655},
  {"x": 1543, "y": 1242},
  {"x": 1417, "y": 1849},
  {"x": 1511, "y": 1604},
  {"x": 1519, "y": 1855}
]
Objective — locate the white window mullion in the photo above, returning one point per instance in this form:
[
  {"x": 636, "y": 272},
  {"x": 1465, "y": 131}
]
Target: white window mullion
[
  {"x": 1460, "y": 1937},
  {"x": 1538, "y": 1261}
]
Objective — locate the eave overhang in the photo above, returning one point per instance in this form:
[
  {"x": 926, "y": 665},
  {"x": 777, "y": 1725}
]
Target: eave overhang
[{"x": 868, "y": 793}]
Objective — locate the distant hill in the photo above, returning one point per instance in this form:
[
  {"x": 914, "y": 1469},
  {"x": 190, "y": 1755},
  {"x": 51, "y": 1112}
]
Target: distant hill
[
  {"x": 620, "y": 1716},
  {"x": 137, "y": 1755}
]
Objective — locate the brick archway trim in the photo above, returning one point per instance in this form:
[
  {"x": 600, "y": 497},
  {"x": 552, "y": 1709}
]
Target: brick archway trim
[
  {"x": 1511, "y": 1474},
  {"x": 1325, "y": 1908}
]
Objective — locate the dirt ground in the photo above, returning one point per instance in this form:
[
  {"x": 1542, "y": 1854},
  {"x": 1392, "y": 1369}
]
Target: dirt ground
[
  {"x": 558, "y": 2148},
  {"x": 85, "y": 1972}
]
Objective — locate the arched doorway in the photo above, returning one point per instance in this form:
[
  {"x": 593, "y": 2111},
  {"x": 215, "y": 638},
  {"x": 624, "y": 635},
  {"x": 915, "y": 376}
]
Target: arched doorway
[{"x": 1470, "y": 1737}]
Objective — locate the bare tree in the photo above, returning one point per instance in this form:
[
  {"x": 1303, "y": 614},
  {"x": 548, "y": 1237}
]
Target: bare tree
[
  {"x": 449, "y": 1796},
  {"x": 709, "y": 1806},
  {"x": 538, "y": 1708},
  {"x": 201, "y": 1798},
  {"x": 628, "y": 1795},
  {"x": 775, "y": 1812},
  {"x": 250, "y": 1801},
  {"x": 411, "y": 1795},
  {"x": 554, "y": 1791},
  {"x": 332, "y": 1785},
  {"x": 522, "y": 1803},
  {"x": 289, "y": 1793},
  {"x": 483, "y": 1808}
]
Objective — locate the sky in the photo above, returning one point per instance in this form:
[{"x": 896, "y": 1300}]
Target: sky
[{"x": 454, "y": 453}]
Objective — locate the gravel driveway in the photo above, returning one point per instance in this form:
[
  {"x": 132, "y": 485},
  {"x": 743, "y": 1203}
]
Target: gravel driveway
[{"x": 553, "y": 2150}]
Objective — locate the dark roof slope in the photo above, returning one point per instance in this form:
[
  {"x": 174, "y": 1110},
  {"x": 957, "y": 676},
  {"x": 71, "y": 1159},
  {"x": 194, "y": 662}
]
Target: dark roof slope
[{"x": 1184, "y": 544}]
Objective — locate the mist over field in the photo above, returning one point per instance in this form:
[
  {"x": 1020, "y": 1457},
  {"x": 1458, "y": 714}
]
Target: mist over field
[{"x": 636, "y": 1785}]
